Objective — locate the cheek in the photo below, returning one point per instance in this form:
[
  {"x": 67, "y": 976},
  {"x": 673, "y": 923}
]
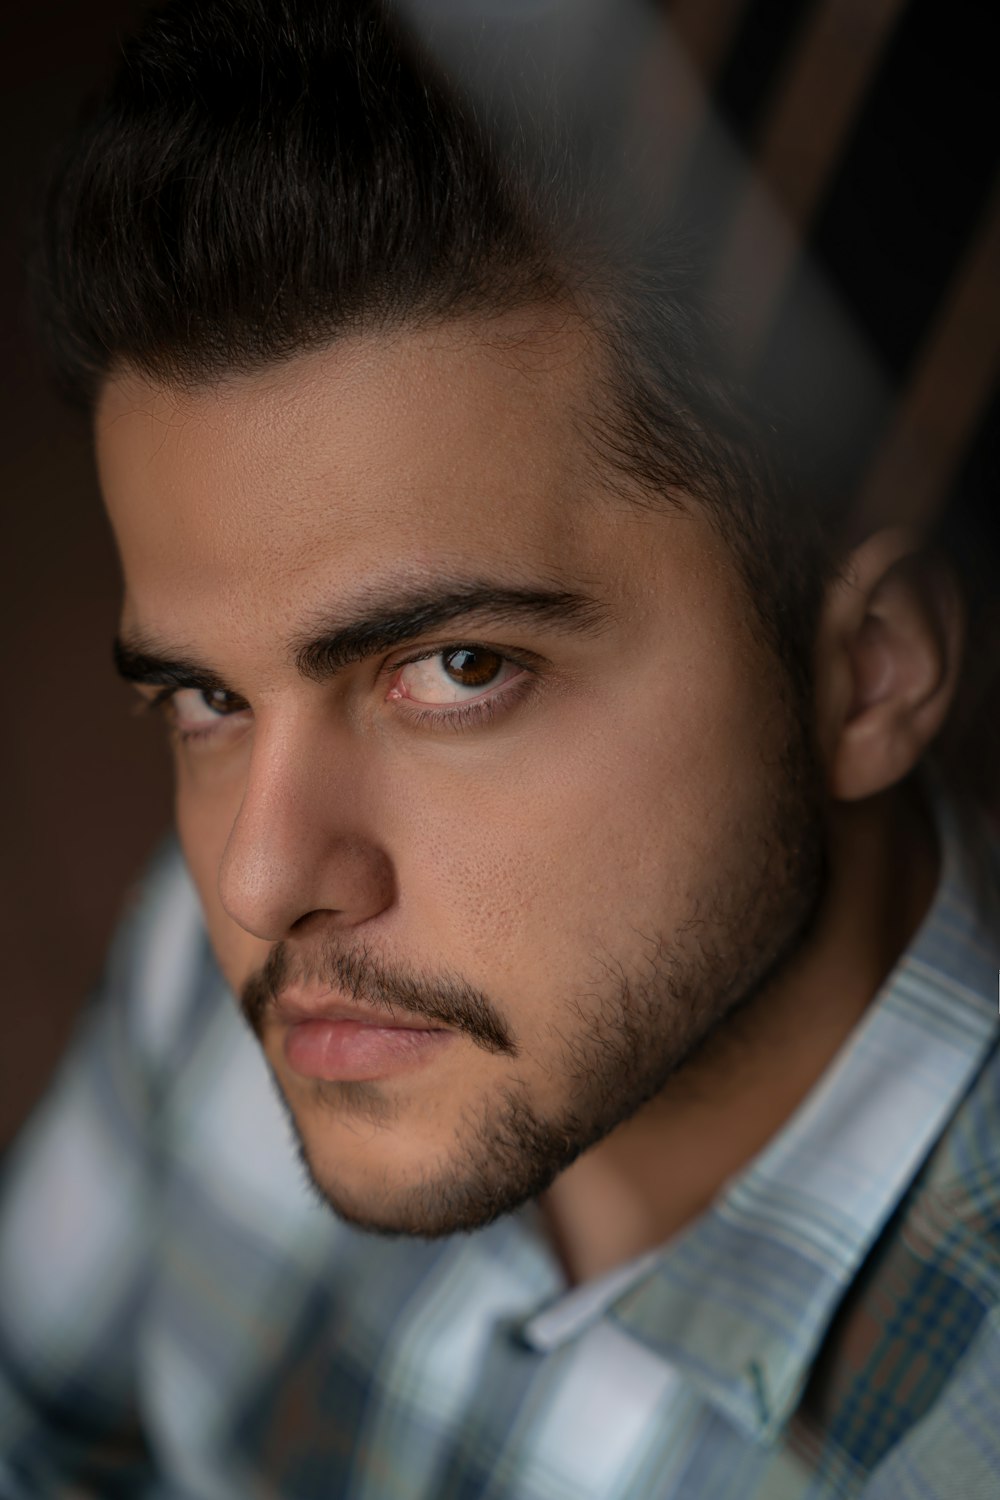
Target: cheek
[
  {"x": 615, "y": 817},
  {"x": 205, "y": 816}
]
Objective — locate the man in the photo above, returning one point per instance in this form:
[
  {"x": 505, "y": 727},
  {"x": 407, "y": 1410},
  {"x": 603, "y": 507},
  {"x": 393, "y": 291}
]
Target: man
[{"x": 549, "y": 792}]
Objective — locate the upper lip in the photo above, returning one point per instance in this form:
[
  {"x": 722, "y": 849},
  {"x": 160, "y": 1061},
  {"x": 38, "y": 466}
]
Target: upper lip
[{"x": 295, "y": 1005}]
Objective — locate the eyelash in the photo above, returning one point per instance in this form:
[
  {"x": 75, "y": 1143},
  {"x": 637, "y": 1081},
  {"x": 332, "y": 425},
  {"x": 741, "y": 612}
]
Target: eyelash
[
  {"x": 161, "y": 703},
  {"x": 479, "y": 710},
  {"x": 456, "y": 716}
]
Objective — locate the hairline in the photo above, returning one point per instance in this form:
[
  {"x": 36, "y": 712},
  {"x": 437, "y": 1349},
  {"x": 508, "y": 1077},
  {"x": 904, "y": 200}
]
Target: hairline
[{"x": 597, "y": 423}]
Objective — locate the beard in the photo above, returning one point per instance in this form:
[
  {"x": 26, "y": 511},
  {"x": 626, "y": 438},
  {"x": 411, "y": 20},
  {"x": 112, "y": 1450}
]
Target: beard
[{"x": 646, "y": 1018}]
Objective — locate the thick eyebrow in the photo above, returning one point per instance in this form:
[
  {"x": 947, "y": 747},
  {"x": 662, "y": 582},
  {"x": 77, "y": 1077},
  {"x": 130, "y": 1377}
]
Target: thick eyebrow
[
  {"x": 139, "y": 661},
  {"x": 379, "y": 626},
  {"x": 336, "y": 645}
]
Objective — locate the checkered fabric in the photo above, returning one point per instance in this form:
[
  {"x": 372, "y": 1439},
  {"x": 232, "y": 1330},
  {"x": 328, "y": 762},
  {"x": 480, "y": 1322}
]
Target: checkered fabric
[{"x": 179, "y": 1318}]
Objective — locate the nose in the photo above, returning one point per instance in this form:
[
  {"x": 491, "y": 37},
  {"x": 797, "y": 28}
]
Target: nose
[{"x": 299, "y": 845}]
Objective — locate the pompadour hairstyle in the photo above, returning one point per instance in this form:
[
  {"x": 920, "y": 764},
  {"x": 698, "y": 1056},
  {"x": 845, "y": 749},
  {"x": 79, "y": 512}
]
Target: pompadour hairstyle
[{"x": 270, "y": 175}]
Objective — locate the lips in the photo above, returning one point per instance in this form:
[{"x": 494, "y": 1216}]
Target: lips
[
  {"x": 294, "y": 1006},
  {"x": 327, "y": 1037}
]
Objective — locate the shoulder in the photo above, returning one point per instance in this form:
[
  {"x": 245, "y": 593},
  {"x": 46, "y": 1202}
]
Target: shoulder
[
  {"x": 953, "y": 1223},
  {"x": 919, "y": 1320},
  {"x": 951, "y": 1217},
  {"x": 955, "y": 1449}
]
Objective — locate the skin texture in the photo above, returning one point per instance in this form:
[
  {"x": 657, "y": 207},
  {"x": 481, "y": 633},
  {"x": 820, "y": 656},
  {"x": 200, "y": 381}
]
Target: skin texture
[{"x": 642, "y": 853}]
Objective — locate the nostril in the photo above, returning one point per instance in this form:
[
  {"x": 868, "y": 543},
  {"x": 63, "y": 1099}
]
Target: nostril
[{"x": 318, "y": 918}]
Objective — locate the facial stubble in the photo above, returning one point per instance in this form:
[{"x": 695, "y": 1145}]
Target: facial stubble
[{"x": 643, "y": 1022}]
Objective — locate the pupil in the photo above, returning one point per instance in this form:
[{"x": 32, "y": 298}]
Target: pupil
[{"x": 472, "y": 668}]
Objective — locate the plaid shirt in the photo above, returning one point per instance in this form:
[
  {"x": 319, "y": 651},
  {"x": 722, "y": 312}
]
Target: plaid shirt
[{"x": 179, "y": 1317}]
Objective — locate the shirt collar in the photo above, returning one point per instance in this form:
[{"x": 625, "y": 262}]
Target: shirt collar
[{"x": 740, "y": 1301}]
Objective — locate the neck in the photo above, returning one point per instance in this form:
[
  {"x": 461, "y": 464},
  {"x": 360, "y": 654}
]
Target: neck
[{"x": 662, "y": 1168}]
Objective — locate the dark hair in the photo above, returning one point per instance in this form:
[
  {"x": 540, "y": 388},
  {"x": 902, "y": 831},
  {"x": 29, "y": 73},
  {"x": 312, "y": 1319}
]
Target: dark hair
[{"x": 267, "y": 175}]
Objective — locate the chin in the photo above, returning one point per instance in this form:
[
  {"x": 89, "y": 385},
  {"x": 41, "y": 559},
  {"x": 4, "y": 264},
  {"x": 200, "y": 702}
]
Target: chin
[{"x": 364, "y": 1160}]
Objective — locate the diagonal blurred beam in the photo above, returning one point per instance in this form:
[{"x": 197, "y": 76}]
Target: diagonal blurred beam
[
  {"x": 952, "y": 380},
  {"x": 673, "y": 101},
  {"x": 705, "y": 29},
  {"x": 798, "y": 149}
]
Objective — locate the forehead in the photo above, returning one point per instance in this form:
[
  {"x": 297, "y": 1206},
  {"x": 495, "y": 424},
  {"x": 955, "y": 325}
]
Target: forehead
[
  {"x": 404, "y": 451},
  {"x": 380, "y": 468}
]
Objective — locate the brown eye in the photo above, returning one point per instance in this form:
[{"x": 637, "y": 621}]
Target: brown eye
[
  {"x": 454, "y": 675},
  {"x": 197, "y": 711},
  {"x": 220, "y": 701},
  {"x": 472, "y": 667}
]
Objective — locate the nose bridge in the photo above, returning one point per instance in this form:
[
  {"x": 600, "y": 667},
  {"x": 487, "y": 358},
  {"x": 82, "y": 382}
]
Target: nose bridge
[{"x": 299, "y": 843}]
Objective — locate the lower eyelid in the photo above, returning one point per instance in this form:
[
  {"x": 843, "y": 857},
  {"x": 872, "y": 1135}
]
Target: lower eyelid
[
  {"x": 482, "y": 708},
  {"x": 221, "y": 725},
  {"x": 510, "y": 663}
]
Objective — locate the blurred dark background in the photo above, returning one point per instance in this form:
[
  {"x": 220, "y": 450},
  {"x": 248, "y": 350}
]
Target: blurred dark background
[
  {"x": 872, "y": 125},
  {"x": 85, "y": 783}
]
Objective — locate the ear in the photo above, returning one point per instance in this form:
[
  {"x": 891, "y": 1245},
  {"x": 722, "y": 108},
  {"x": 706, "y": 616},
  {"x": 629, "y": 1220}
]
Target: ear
[{"x": 888, "y": 653}]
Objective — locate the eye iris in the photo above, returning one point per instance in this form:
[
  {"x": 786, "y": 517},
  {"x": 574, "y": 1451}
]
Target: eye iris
[
  {"x": 472, "y": 668},
  {"x": 218, "y": 700}
]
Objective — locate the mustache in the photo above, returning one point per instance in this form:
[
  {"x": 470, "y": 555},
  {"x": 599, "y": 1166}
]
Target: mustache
[{"x": 365, "y": 978}]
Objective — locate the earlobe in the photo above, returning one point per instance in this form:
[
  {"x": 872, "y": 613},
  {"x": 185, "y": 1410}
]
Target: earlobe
[{"x": 889, "y": 652}]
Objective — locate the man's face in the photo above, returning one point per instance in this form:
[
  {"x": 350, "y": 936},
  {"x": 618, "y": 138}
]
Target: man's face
[{"x": 494, "y": 801}]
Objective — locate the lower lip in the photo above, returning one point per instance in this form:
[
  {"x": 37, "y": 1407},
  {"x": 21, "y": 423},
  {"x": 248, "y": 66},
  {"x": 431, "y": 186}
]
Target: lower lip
[{"x": 353, "y": 1050}]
